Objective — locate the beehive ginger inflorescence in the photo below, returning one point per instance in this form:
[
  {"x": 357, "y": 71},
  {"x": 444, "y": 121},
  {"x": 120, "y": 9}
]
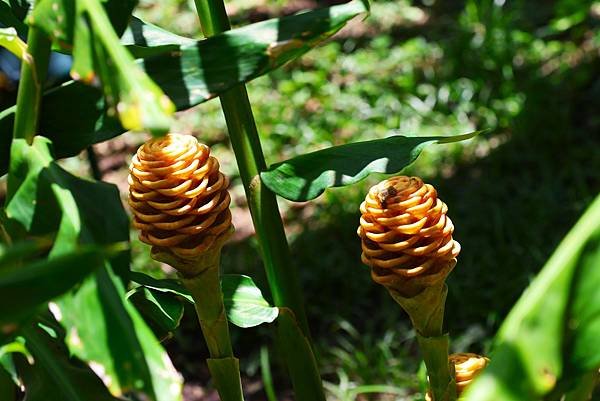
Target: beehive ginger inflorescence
[
  {"x": 178, "y": 196},
  {"x": 467, "y": 366},
  {"x": 406, "y": 235}
]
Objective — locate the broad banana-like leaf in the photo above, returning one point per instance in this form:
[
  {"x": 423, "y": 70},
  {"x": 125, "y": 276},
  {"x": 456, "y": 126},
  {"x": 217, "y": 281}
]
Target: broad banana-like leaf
[{"x": 550, "y": 338}]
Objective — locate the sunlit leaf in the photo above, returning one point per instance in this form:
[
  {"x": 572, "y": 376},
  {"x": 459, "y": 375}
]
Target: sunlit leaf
[
  {"x": 11, "y": 41},
  {"x": 550, "y": 337},
  {"x": 307, "y": 176},
  {"x": 191, "y": 75},
  {"x": 244, "y": 302}
]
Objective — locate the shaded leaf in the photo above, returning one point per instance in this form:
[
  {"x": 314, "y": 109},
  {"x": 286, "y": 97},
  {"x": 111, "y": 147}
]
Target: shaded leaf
[
  {"x": 103, "y": 327},
  {"x": 550, "y": 337},
  {"x": 165, "y": 285},
  {"x": 26, "y": 287},
  {"x": 54, "y": 375},
  {"x": 192, "y": 75},
  {"x": 307, "y": 176},
  {"x": 47, "y": 200},
  {"x": 85, "y": 24},
  {"x": 12, "y": 14},
  {"x": 161, "y": 311},
  {"x": 244, "y": 304}
]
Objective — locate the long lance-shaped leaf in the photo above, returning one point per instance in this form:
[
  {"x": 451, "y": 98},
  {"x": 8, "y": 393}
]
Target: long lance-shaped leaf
[
  {"x": 307, "y": 176},
  {"x": 191, "y": 75},
  {"x": 550, "y": 338},
  {"x": 85, "y": 24}
]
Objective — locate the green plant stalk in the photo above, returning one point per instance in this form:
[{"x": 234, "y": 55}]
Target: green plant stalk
[
  {"x": 426, "y": 312},
  {"x": 201, "y": 277},
  {"x": 33, "y": 75},
  {"x": 208, "y": 298},
  {"x": 205, "y": 288},
  {"x": 265, "y": 369},
  {"x": 283, "y": 278}
]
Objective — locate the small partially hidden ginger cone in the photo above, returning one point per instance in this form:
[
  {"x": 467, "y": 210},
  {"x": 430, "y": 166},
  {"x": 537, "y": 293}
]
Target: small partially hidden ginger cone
[
  {"x": 467, "y": 366},
  {"x": 406, "y": 235},
  {"x": 178, "y": 196}
]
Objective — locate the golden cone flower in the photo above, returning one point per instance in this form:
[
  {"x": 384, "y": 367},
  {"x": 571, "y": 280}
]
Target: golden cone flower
[
  {"x": 467, "y": 366},
  {"x": 406, "y": 235},
  {"x": 178, "y": 196}
]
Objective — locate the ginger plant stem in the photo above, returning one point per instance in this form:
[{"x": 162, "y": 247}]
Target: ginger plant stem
[
  {"x": 33, "y": 75},
  {"x": 281, "y": 274},
  {"x": 426, "y": 311},
  {"x": 202, "y": 279}
]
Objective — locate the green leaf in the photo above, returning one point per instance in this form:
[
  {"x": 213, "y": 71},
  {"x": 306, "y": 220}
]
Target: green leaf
[
  {"x": 168, "y": 286},
  {"x": 144, "y": 40},
  {"x": 161, "y": 311},
  {"x": 8, "y": 388},
  {"x": 54, "y": 375},
  {"x": 46, "y": 200},
  {"x": 191, "y": 75},
  {"x": 12, "y": 14},
  {"x": 85, "y": 24},
  {"x": 244, "y": 302},
  {"x": 307, "y": 176},
  {"x": 103, "y": 327},
  {"x": 11, "y": 41},
  {"x": 26, "y": 286},
  {"x": 550, "y": 338},
  {"x": 58, "y": 18}
]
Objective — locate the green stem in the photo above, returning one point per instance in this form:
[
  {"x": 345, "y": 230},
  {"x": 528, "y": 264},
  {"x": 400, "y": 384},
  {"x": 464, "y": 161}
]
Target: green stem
[
  {"x": 33, "y": 75},
  {"x": 426, "y": 312},
  {"x": 206, "y": 291},
  {"x": 281, "y": 274},
  {"x": 93, "y": 161},
  {"x": 205, "y": 288},
  {"x": 267, "y": 379}
]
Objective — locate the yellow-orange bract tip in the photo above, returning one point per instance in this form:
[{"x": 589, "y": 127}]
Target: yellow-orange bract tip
[
  {"x": 178, "y": 196},
  {"x": 467, "y": 366},
  {"x": 406, "y": 235}
]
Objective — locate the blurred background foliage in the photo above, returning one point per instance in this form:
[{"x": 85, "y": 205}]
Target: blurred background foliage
[{"x": 529, "y": 71}]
